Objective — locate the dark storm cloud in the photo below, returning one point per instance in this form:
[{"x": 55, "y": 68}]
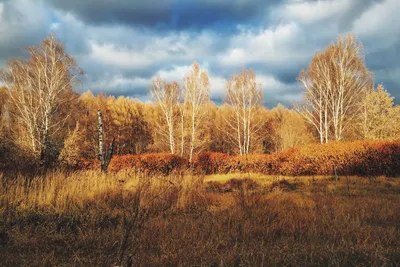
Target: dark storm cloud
[
  {"x": 384, "y": 59},
  {"x": 17, "y": 29},
  {"x": 148, "y": 12},
  {"x": 357, "y": 8},
  {"x": 172, "y": 14}
]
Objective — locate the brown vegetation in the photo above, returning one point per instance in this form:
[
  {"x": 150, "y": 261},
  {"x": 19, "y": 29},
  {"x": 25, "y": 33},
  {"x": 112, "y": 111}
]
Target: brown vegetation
[
  {"x": 93, "y": 219},
  {"x": 365, "y": 158}
]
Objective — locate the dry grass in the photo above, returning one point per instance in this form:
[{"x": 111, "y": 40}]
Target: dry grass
[{"x": 92, "y": 219}]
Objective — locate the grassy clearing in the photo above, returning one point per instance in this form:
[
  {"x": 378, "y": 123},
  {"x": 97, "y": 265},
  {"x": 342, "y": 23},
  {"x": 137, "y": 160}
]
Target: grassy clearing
[{"x": 92, "y": 219}]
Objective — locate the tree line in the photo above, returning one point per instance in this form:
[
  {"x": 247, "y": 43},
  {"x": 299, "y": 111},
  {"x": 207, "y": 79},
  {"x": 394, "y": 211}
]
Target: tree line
[{"x": 44, "y": 121}]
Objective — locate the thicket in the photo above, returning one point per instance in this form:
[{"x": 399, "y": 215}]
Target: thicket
[
  {"x": 365, "y": 158},
  {"x": 152, "y": 163}
]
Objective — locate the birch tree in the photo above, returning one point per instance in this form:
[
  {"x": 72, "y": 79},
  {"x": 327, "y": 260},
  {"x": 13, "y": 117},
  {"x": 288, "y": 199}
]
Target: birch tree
[
  {"x": 316, "y": 84},
  {"x": 37, "y": 89},
  {"x": 182, "y": 113},
  {"x": 334, "y": 83},
  {"x": 351, "y": 79},
  {"x": 197, "y": 88},
  {"x": 244, "y": 94},
  {"x": 167, "y": 97}
]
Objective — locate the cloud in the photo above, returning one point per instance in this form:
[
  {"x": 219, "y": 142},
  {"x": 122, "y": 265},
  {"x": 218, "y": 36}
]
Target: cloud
[
  {"x": 22, "y": 22},
  {"x": 165, "y": 14},
  {"x": 269, "y": 46},
  {"x": 122, "y": 44},
  {"x": 380, "y": 25},
  {"x": 308, "y": 12}
]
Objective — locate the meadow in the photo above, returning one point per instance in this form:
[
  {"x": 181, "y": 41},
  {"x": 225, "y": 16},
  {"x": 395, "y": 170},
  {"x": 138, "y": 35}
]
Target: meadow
[
  {"x": 190, "y": 177},
  {"x": 130, "y": 218}
]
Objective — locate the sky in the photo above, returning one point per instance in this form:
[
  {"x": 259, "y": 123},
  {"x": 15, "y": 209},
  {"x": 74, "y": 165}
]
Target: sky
[{"x": 122, "y": 44}]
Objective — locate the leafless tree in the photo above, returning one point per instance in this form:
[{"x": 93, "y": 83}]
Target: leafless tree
[
  {"x": 244, "y": 94},
  {"x": 38, "y": 88},
  {"x": 334, "y": 83},
  {"x": 167, "y": 96},
  {"x": 182, "y": 113},
  {"x": 197, "y": 89},
  {"x": 104, "y": 156},
  {"x": 315, "y": 107}
]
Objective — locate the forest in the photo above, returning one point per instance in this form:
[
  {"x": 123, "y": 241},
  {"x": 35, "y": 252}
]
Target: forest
[
  {"x": 103, "y": 180},
  {"x": 46, "y": 124}
]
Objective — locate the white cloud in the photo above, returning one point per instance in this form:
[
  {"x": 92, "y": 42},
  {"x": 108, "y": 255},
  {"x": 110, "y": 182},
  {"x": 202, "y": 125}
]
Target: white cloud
[
  {"x": 312, "y": 12},
  {"x": 380, "y": 25},
  {"x": 270, "y": 46},
  {"x": 110, "y": 83},
  {"x": 217, "y": 84},
  {"x": 125, "y": 58},
  {"x": 177, "y": 73}
]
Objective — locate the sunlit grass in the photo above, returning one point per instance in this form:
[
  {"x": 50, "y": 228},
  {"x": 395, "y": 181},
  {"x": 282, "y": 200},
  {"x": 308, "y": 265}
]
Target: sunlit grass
[{"x": 246, "y": 219}]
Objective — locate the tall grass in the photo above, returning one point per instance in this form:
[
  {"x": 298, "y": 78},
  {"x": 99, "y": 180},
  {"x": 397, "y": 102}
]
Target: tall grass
[{"x": 126, "y": 219}]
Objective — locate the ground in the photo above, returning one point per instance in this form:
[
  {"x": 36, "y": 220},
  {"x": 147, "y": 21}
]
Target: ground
[{"x": 91, "y": 219}]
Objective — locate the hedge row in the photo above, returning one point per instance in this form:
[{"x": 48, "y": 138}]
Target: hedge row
[
  {"x": 156, "y": 163},
  {"x": 352, "y": 158}
]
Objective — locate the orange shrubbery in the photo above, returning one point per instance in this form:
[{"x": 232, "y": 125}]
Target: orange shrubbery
[
  {"x": 357, "y": 158},
  {"x": 211, "y": 162},
  {"x": 161, "y": 163},
  {"x": 156, "y": 163},
  {"x": 352, "y": 158}
]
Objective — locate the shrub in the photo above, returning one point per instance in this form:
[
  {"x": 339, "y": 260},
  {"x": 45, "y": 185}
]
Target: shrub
[
  {"x": 351, "y": 158},
  {"x": 211, "y": 162},
  {"x": 366, "y": 158},
  {"x": 88, "y": 164},
  {"x": 156, "y": 163}
]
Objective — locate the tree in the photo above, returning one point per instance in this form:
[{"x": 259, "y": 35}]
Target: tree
[
  {"x": 197, "y": 89},
  {"x": 219, "y": 129},
  {"x": 104, "y": 156},
  {"x": 380, "y": 115},
  {"x": 123, "y": 118},
  {"x": 315, "y": 107},
  {"x": 71, "y": 152},
  {"x": 335, "y": 81},
  {"x": 38, "y": 88},
  {"x": 244, "y": 94},
  {"x": 167, "y": 96},
  {"x": 290, "y": 130}
]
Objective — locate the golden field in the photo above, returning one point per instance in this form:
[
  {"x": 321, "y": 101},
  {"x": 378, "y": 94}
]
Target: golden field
[{"x": 129, "y": 219}]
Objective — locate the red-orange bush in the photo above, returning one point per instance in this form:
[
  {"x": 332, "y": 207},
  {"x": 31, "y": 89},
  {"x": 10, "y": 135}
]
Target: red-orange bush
[
  {"x": 352, "y": 158},
  {"x": 160, "y": 163},
  {"x": 345, "y": 158},
  {"x": 88, "y": 164},
  {"x": 211, "y": 162}
]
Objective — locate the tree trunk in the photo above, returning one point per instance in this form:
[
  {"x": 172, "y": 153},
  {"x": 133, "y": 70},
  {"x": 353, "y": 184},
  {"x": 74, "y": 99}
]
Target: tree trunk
[
  {"x": 104, "y": 157},
  {"x": 192, "y": 138},
  {"x": 43, "y": 148},
  {"x": 182, "y": 133},
  {"x": 101, "y": 140}
]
